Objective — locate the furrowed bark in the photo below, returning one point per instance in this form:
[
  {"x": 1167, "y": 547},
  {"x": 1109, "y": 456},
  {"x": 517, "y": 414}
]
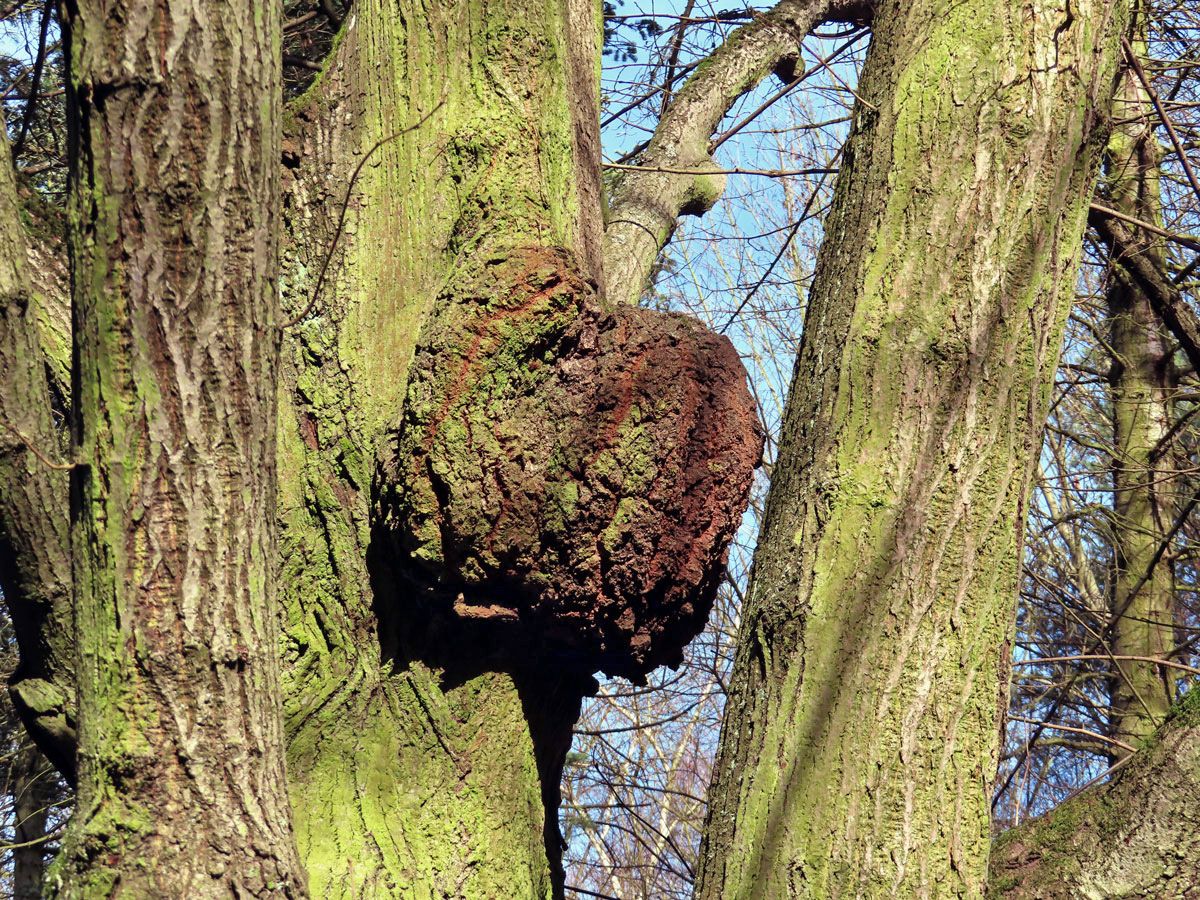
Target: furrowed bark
[
  {"x": 860, "y": 734},
  {"x": 1143, "y": 382},
  {"x": 406, "y": 781},
  {"x": 35, "y": 562},
  {"x": 174, "y": 124},
  {"x": 647, "y": 204},
  {"x": 1137, "y": 835},
  {"x": 439, "y": 399}
]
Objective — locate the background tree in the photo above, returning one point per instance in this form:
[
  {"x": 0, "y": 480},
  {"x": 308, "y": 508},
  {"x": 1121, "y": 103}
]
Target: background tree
[{"x": 33, "y": 804}]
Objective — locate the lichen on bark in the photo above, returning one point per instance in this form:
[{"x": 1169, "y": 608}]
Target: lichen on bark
[
  {"x": 575, "y": 468},
  {"x": 469, "y": 264},
  {"x": 173, "y": 237},
  {"x": 1135, "y": 835},
  {"x": 860, "y": 733}
]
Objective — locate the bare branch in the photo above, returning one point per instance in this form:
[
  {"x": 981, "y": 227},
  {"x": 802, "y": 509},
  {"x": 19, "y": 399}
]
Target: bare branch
[{"x": 678, "y": 175}]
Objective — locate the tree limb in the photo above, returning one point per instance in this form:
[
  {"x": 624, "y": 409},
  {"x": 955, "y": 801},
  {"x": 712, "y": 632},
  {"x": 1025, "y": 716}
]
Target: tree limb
[
  {"x": 1135, "y": 835},
  {"x": 1164, "y": 296},
  {"x": 678, "y": 175}
]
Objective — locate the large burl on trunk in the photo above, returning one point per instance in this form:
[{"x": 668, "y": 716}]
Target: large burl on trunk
[
  {"x": 574, "y": 469},
  {"x": 494, "y": 480}
]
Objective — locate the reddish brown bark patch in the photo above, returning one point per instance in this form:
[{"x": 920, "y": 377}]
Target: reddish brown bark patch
[{"x": 575, "y": 469}]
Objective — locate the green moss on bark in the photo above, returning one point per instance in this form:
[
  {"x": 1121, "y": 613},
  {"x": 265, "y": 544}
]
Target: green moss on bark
[
  {"x": 394, "y": 791},
  {"x": 860, "y": 733}
]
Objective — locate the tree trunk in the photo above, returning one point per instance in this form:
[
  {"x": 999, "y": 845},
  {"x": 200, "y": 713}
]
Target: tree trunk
[
  {"x": 860, "y": 735},
  {"x": 174, "y": 244},
  {"x": 33, "y": 793},
  {"x": 406, "y": 780},
  {"x": 476, "y": 451},
  {"x": 1143, "y": 383}
]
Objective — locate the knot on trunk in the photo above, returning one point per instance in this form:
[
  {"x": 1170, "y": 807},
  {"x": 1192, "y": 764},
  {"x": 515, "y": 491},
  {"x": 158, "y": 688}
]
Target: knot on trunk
[{"x": 573, "y": 470}]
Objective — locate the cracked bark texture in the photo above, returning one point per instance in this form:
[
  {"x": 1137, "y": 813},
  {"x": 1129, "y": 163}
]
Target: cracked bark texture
[
  {"x": 860, "y": 735},
  {"x": 1137, "y": 835},
  {"x": 173, "y": 238}
]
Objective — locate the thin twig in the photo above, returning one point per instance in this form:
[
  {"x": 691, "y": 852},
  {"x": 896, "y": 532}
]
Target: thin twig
[
  {"x": 783, "y": 248},
  {"x": 579, "y": 890},
  {"x": 1182, "y": 239},
  {"x": 59, "y": 467},
  {"x": 673, "y": 57},
  {"x": 1106, "y": 656},
  {"x": 290, "y": 59},
  {"x": 822, "y": 63},
  {"x": 300, "y": 20},
  {"x": 1083, "y": 731},
  {"x": 337, "y": 232}
]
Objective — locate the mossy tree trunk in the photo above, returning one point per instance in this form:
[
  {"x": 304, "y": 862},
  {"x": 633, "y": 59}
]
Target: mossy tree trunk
[
  {"x": 1135, "y": 835},
  {"x": 1145, "y": 486},
  {"x": 407, "y": 780},
  {"x": 173, "y": 237},
  {"x": 860, "y": 736},
  {"x": 482, "y": 457}
]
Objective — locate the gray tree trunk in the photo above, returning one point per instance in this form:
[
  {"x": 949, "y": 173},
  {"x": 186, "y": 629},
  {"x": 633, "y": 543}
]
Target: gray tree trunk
[
  {"x": 1145, "y": 484},
  {"x": 174, "y": 236},
  {"x": 860, "y": 735}
]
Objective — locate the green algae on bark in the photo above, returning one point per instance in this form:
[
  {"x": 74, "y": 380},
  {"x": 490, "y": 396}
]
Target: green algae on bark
[{"x": 578, "y": 469}]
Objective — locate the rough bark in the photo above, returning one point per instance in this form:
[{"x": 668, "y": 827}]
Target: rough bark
[
  {"x": 1136, "y": 835},
  {"x": 572, "y": 473},
  {"x": 860, "y": 734},
  {"x": 404, "y": 781},
  {"x": 432, "y": 684},
  {"x": 173, "y": 238},
  {"x": 647, "y": 203},
  {"x": 35, "y": 560},
  {"x": 1143, "y": 383}
]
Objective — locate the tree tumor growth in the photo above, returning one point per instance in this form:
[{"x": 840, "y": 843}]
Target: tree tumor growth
[{"x": 575, "y": 468}]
